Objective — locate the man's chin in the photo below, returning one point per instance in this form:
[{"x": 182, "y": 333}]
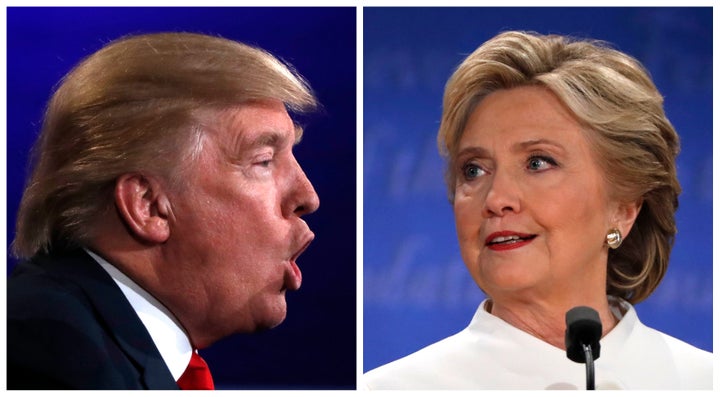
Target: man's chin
[
  {"x": 269, "y": 319},
  {"x": 272, "y": 319},
  {"x": 261, "y": 327}
]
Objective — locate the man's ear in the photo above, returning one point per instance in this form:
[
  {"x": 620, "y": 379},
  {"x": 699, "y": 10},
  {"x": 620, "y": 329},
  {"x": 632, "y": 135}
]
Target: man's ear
[
  {"x": 625, "y": 216},
  {"x": 143, "y": 206}
]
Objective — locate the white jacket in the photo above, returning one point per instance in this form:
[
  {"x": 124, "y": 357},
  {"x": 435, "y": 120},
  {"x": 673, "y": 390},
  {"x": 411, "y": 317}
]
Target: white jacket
[{"x": 492, "y": 354}]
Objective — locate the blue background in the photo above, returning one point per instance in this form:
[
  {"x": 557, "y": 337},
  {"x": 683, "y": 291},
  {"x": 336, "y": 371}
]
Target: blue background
[
  {"x": 416, "y": 288},
  {"x": 315, "y": 348}
]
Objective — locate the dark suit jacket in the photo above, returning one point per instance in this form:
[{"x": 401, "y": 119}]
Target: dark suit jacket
[{"x": 70, "y": 327}]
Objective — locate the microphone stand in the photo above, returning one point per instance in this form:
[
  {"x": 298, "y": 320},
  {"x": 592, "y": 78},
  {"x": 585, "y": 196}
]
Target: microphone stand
[
  {"x": 589, "y": 368},
  {"x": 582, "y": 339}
]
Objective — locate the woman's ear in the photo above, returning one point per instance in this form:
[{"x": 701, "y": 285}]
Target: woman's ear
[
  {"x": 625, "y": 216},
  {"x": 144, "y": 207}
]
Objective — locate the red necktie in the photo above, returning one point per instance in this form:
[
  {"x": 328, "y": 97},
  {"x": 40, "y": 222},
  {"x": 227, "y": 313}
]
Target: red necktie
[{"x": 197, "y": 375}]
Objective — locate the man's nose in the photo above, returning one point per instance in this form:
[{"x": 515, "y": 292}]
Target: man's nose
[{"x": 304, "y": 198}]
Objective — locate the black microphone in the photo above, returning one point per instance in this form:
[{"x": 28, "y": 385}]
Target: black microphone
[{"x": 582, "y": 339}]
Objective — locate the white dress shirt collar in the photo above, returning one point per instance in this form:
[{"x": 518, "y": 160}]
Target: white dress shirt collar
[{"x": 165, "y": 330}]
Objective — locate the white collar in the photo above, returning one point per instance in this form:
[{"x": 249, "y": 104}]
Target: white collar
[{"x": 165, "y": 330}]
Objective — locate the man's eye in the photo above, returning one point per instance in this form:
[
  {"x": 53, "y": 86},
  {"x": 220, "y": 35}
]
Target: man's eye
[{"x": 264, "y": 160}]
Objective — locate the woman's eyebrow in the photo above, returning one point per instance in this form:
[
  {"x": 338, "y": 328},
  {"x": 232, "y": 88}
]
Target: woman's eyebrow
[
  {"x": 524, "y": 145},
  {"x": 473, "y": 151}
]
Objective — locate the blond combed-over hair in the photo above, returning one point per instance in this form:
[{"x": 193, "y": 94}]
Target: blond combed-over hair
[
  {"x": 136, "y": 105},
  {"x": 614, "y": 99}
]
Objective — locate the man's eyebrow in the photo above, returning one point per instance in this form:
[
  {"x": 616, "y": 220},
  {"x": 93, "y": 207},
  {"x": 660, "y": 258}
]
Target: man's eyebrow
[
  {"x": 268, "y": 138},
  {"x": 272, "y": 138},
  {"x": 298, "y": 134}
]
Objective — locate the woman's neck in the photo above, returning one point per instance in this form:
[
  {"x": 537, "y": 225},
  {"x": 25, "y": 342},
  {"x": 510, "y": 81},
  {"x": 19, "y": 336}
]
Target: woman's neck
[{"x": 547, "y": 321}]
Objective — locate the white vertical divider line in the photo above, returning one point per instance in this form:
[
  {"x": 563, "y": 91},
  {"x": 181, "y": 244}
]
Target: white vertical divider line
[{"x": 359, "y": 190}]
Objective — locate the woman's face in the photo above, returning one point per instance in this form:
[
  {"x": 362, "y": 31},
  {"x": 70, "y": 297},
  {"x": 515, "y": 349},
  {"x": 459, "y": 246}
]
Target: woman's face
[{"x": 531, "y": 206}]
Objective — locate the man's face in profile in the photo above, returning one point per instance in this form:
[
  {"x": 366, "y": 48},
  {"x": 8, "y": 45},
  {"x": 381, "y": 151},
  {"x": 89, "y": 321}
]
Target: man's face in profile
[{"x": 236, "y": 226}]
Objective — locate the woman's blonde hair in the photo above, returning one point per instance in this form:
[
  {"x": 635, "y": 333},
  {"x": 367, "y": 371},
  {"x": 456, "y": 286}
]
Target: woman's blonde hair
[
  {"x": 136, "y": 105},
  {"x": 612, "y": 95}
]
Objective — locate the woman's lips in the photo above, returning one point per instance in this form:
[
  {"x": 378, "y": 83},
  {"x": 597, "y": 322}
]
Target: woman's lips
[{"x": 508, "y": 240}]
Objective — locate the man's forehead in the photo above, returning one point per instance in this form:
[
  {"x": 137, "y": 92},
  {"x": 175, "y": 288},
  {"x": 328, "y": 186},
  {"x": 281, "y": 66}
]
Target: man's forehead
[{"x": 257, "y": 123}]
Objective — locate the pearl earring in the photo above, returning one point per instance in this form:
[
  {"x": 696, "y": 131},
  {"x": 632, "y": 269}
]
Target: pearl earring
[{"x": 614, "y": 238}]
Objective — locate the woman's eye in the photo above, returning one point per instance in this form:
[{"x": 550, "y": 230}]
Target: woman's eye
[
  {"x": 540, "y": 163},
  {"x": 472, "y": 171}
]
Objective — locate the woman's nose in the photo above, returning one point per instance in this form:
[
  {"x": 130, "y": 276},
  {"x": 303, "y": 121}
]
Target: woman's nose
[{"x": 502, "y": 195}]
